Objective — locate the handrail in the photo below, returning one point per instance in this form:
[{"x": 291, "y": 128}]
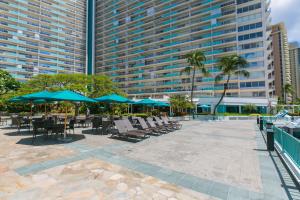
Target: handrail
[{"x": 288, "y": 144}]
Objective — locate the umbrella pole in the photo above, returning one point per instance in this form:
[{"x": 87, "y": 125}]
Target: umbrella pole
[
  {"x": 30, "y": 118},
  {"x": 66, "y": 115},
  {"x": 45, "y": 110}
]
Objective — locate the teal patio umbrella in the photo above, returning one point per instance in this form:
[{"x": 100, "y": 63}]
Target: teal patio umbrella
[
  {"x": 37, "y": 95},
  {"x": 147, "y": 102},
  {"x": 162, "y": 104},
  {"x": 22, "y": 100},
  {"x": 70, "y": 96},
  {"x": 113, "y": 98},
  {"x": 204, "y": 106},
  {"x": 33, "y": 98}
]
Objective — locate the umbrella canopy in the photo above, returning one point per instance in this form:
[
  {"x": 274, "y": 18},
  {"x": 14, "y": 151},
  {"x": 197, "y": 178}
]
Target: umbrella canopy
[
  {"x": 162, "y": 104},
  {"x": 37, "y": 95},
  {"x": 22, "y": 100},
  {"x": 113, "y": 98},
  {"x": 147, "y": 102},
  {"x": 204, "y": 106},
  {"x": 67, "y": 95}
]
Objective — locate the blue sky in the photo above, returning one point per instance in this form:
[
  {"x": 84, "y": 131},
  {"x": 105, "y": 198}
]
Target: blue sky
[{"x": 287, "y": 11}]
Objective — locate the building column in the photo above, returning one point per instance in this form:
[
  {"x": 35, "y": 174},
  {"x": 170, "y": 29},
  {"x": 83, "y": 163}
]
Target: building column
[
  {"x": 90, "y": 38},
  {"x": 240, "y": 109}
]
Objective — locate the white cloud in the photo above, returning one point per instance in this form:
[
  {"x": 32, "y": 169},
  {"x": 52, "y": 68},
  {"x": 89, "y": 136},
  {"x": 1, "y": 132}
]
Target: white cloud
[{"x": 287, "y": 11}]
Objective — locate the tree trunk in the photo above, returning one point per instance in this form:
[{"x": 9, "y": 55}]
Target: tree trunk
[
  {"x": 223, "y": 94},
  {"x": 284, "y": 96},
  {"x": 192, "y": 91}
]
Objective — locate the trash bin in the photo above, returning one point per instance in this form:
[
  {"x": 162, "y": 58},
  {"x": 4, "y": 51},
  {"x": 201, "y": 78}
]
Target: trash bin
[
  {"x": 270, "y": 139},
  {"x": 269, "y": 125},
  {"x": 261, "y": 124}
]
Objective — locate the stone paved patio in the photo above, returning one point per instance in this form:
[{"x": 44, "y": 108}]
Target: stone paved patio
[{"x": 204, "y": 160}]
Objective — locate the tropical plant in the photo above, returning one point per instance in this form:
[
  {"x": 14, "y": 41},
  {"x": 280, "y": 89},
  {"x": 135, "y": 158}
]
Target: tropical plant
[
  {"x": 230, "y": 66},
  {"x": 196, "y": 61},
  {"x": 180, "y": 103},
  {"x": 297, "y": 102},
  {"x": 93, "y": 86},
  {"x": 102, "y": 85},
  {"x": 7, "y": 83},
  {"x": 288, "y": 90},
  {"x": 250, "y": 108}
]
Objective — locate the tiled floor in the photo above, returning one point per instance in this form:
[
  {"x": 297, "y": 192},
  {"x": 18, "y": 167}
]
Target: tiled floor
[{"x": 204, "y": 160}]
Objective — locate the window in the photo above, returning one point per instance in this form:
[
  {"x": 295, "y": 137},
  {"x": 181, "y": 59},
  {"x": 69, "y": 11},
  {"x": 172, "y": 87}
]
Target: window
[
  {"x": 253, "y": 55},
  {"x": 249, "y": 8},
  {"x": 252, "y": 84},
  {"x": 150, "y": 11},
  {"x": 250, "y": 36},
  {"x": 249, "y": 18},
  {"x": 250, "y": 27},
  {"x": 253, "y": 45},
  {"x": 243, "y": 1}
]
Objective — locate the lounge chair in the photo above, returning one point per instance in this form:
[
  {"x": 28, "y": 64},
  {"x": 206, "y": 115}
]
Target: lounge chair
[
  {"x": 169, "y": 127},
  {"x": 123, "y": 131},
  {"x": 130, "y": 127},
  {"x": 176, "y": 126},
  {"x": 144, "y": 126},
  {"x": 152, "y": 124},
  {"x": 171, "y": 120}
]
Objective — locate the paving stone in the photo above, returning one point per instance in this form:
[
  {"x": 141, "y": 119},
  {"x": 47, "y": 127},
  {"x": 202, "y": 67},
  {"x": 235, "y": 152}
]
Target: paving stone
[{"x": 216, "y": 160}]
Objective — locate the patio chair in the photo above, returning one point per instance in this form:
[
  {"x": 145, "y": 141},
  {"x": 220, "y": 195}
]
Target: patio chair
[
  {"x": 96, "y": 123},
  {"x": 88, "y": 122},
  {"x": 3, "y": 121},
  {"x": 106, "y": 127},
  {"x": 58, "y": 129},
  {"x": 71, "y": 126},
  {"x": 15, "y": 121},
  {"x": 122, "y": 131},
  {"x": 152, "y": 124},
  {"x": 36, "y": 127},
  {"x": 144, "y": 126},
  {"x": 175, "y": 125}
]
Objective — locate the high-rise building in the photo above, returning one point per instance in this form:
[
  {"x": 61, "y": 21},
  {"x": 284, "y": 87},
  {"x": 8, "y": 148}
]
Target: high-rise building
[
  {"x": 282, "y": 68},
  {"x": 42, "y": 36},
  {"x": 295, "y": 68},
  {"x": 141, "y": 44}
]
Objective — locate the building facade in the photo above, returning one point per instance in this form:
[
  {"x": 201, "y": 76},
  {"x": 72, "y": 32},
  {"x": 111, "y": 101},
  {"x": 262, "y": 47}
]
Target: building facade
[
  {"x": 282, "y": 67},
  {"x": 295, "y": 68},
  {"x": 141, "y": 44},
  {"x": 42, "y": 37}
]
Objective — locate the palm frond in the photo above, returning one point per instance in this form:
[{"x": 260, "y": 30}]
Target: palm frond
[
  {"x": 242, "y": 72},
  {"x": 219, "y": 77},
  {"x": 186, "y": 70}
]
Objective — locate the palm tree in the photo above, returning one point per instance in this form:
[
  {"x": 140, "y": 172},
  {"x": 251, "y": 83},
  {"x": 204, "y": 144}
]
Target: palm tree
[
  {"x": 230, "y": 66},
  {"x": 196, "y": 61},
  {"x": 288, "y": 89}
]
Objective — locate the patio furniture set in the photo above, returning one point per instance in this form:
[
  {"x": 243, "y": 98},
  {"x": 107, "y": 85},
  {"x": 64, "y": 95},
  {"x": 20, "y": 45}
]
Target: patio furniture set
[{"x": 124, "y": 127}]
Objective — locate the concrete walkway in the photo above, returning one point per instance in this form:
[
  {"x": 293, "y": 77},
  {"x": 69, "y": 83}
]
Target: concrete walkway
[{"x": 204, "y": 160}]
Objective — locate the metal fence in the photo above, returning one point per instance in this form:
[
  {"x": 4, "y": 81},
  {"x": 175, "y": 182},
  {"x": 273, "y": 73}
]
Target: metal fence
[{"x": 288, "y": 145}]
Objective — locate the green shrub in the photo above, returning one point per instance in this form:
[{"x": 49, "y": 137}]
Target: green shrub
[{"x": 250, "y": 108}]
